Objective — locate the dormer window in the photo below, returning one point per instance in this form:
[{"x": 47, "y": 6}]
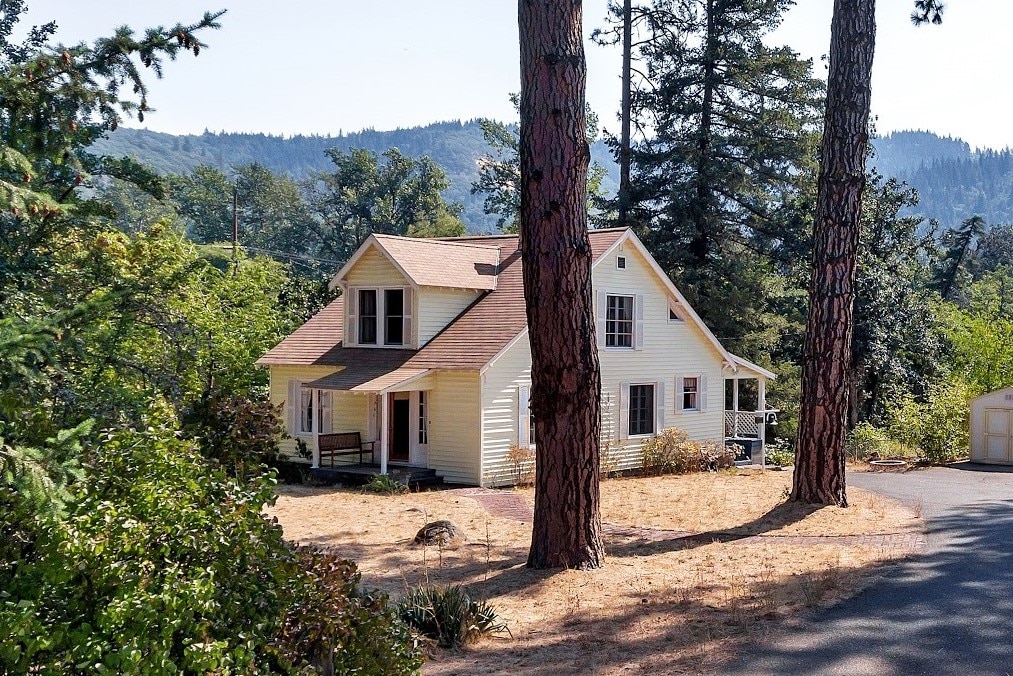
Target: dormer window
[
  {"x": 367, "y": 317},
  {"x": 380, "y": 317},
  {"x": 393, "y": 331}
]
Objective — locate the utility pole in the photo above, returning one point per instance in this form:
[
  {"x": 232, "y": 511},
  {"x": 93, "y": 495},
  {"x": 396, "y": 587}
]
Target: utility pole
[
  {"x": 235, "y": 223},
  {"x": 624, "y": 141}
]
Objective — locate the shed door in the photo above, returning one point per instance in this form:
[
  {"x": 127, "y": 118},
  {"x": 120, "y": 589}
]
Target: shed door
[{"x": 997, "y": 434}]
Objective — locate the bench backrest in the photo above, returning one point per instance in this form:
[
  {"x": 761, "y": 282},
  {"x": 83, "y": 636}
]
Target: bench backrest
[{"x": 341, "y": 440}]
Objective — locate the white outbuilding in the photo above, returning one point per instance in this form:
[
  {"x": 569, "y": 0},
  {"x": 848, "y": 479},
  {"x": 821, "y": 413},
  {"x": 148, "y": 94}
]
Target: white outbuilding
[{"x": 992, "y": 427}]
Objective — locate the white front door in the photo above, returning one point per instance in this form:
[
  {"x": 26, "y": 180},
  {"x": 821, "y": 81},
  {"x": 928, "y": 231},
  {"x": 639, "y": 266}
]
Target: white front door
[{"x": 998, "y": 433}]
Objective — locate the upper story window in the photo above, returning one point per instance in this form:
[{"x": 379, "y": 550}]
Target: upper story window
[
  {"x": 367, "y": 317},
  {"x": 620, "y": 262},
  {"x": 641, "y": 410},
  {"x": 380, "y": 316},
  {"x": 393, "y": 330},
  {"x": 619, "y": 321}
]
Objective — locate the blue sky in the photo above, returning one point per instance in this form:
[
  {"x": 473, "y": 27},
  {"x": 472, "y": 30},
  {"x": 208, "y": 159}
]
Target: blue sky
[{"x": 312, "y": 66}]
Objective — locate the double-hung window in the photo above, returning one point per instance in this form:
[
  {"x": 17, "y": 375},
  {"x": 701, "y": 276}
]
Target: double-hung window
[
  {"x": 393, "y": 325},
  {"x": 367, "y": 316},
  {"x": 690, "y": 394},
  {"x": 619, "y": 321},
  {"x": 641, "y": 410},
  {"x": 314, "y": 411}
]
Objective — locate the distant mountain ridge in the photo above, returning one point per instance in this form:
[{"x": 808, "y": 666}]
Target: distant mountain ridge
[
  {"x": 456, "y": 146},
  {"x": 953, "y": 181}
]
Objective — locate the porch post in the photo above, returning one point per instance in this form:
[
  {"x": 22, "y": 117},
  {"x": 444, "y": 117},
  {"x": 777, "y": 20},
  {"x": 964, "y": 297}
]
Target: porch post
[
  {"x": 735, "y": 407},
  {"x": 761, "y": 401},
  {"x": 384, "y": 436},
  {"x": 315, "y": 415}
]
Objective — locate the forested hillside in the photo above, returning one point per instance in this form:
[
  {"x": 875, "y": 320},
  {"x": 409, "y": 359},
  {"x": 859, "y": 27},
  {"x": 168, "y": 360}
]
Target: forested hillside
[
  {"x": 954, "y": 182},
  {"x": 455, "y": 146}
]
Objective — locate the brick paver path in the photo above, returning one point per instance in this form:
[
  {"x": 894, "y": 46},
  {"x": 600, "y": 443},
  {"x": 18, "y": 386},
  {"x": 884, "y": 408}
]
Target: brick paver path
[{"x": 509, "y": 505}]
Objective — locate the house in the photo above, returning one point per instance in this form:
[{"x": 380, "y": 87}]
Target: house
[{"x": 426, "y": 354}]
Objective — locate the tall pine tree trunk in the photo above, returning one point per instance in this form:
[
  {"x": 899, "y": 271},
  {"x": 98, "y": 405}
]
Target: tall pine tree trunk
[
  {"x": 626, "y": 110},
  {"x": 556, "y": 250},
  {"x": 820, "y": 456}
]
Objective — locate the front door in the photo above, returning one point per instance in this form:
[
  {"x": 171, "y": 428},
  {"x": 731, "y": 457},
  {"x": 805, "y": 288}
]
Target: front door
[{"x": 400, "y": 427}]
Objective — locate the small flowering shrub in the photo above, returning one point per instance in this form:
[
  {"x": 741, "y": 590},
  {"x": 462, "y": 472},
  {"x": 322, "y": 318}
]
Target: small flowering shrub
[{"x": 671, "y": 451}]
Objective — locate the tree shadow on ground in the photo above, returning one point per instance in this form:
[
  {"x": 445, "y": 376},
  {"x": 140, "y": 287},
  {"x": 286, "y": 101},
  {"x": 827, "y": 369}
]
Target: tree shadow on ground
[
  {"x": 946, "y": 612},
  {"x": 779, "y": 516}
]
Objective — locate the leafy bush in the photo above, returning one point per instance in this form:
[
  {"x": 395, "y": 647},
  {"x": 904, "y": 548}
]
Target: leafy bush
[
  {"x": 162, "y": 564},
  {"x": 938, "y": 427},
  {"x": 670, "y": 451},
  {"x": 448, "y": 615},
  {"x": 239, "y": 433},
  {"x": 780, "y": 453},
  {"x": 865, "y": 441},
  {"x": 385, "y": 484},
  {"x": 332, "y": 626}
]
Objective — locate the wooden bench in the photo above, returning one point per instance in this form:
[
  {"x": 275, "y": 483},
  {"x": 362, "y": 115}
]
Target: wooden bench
[{"x": 343, "y": 443}]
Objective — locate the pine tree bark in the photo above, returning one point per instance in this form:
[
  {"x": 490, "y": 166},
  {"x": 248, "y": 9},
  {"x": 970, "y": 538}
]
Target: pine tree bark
[
  {"x": 556, "y": 250},
  {"x": 820, "y": 455}
]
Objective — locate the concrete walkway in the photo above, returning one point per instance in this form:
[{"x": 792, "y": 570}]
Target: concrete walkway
[{"x": 949, "y": 611}]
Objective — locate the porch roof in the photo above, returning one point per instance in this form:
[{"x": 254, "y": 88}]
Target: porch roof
[
  {"x": 752, "y": 370},
  {"x": 367, "y": 379}
]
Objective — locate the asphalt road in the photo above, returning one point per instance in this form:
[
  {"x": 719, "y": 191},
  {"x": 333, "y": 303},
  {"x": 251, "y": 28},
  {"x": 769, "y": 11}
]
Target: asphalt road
[{"x": 949, "y": 611}]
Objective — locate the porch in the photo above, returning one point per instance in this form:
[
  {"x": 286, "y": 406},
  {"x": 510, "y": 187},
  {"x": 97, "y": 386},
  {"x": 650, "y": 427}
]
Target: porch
[
  {"x": 746, "y": 413},
  {"x": 358, "y": 474},
  {"x": 385, "y": 413}
]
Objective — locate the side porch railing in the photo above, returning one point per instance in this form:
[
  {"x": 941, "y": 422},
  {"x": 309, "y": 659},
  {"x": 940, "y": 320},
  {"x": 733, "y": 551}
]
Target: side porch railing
[{"x": 739, "y": 424}]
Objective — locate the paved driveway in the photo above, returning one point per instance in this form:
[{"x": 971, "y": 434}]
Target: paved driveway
[{"x": 949, "y": 611}]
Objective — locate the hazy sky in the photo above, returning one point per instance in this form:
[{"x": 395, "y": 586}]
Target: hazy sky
[{"x": 316, "y": 66}]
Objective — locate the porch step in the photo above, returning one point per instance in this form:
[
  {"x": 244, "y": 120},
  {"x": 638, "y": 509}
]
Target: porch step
[{"x": 360, "y": 474}]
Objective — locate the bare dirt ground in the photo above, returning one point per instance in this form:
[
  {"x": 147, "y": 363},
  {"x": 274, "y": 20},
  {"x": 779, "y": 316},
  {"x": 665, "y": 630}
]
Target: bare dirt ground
[{"x": 663, "y": 603}]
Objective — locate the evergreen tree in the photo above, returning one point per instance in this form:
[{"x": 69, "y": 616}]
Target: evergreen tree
[{"x": 727, "y": 154}]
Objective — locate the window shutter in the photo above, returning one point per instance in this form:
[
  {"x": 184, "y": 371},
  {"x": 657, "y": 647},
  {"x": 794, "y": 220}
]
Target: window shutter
[
  {"x": 638, "y": 324},
  {"x": 624, "y": 411},
  {"x": 325, "y": 411},
  {"x": 352, "y": 325},
  {"x": 701, "y": 396},
  {"x": 523, "y": 417},
  {"x": 679, "y": 398},
  {"x": 292, "y": 407},
  {"x": 407, "y": 310},
  {"x": 600, "y": 324},
  {"x": 659, "y": 406}
]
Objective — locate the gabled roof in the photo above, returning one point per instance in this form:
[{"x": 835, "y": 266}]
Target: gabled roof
[
  {"x": 493, "y": 321},
  {"x": 477, "y": 335},
  {"x": 457, "y": 264},
  {"x": 315, "y": 343}
]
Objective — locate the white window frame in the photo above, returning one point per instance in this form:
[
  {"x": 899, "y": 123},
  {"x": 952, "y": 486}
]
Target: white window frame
[
  {"x": 653, "y": 408},
  {"x": 632, "y": 322},
  {"x": 321, "y": 411},
  {"x": 621, "y": 263},
  {"x": 601, "y": 324},
  {"x": 700, "y": 392},
  {"x": 673, "y": 309},
  {"x": 407, "y": 306}
]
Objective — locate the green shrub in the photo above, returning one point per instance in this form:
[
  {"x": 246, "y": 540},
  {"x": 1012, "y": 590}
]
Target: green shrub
[
  {"x": 865, "y": 440},
  {"x": 938, "y": 427},
  {"x": 448, "y": 615},
  {"x": 670, "y": 451},
  {"x": 162, "y": 564},
  {"x": 385, "y": 484},
  {"x": 333, "y": 626},
  {"x": 780, "y": 453}
]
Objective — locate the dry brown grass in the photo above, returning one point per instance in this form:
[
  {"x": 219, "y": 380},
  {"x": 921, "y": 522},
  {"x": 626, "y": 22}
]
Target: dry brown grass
[{"x": 669, "y": 606}]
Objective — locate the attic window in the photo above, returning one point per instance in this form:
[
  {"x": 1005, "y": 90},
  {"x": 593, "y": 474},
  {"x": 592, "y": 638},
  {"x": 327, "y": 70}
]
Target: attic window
[
  {"x": 672, "y": 317},
  {"x": 620, "y": 262},
  {"x": 674, "y": 312}
]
